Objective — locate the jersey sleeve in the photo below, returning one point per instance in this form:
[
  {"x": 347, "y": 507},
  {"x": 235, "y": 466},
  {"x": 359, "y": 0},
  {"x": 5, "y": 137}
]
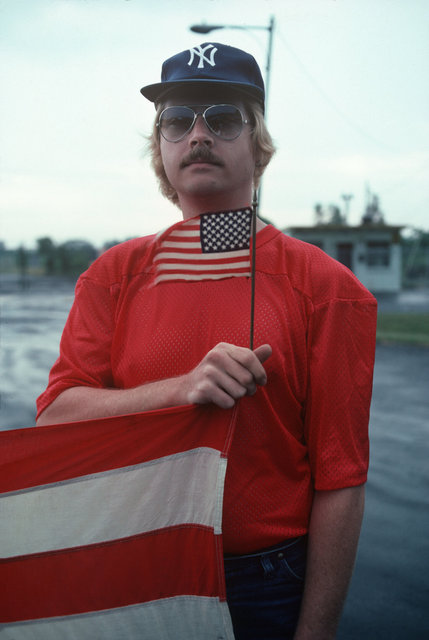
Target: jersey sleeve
[
  {"x": 341, "y": 360},
  {"x": 85, "y": 345}
]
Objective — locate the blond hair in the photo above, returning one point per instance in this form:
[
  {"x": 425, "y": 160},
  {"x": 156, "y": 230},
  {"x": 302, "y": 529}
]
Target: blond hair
[{"x": 263, "y": 149}]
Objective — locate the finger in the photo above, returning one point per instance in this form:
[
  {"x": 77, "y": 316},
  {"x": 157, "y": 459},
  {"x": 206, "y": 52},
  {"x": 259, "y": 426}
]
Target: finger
[
  {"x": 224, "y": 395},
  {"x": 213, "y": 382},
  {"x": 249, "y": 362},
  {"x": 232, "y": 385},
  {"x": 263, "y": 352},
  {"x": 241, "y": 374},
  {"x": 230, "y": 360},
  {"x": 222, "y": 399}
]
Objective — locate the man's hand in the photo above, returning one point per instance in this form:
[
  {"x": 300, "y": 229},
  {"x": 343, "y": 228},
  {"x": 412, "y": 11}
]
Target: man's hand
[
  {"x": 226, "y": 374},
  {"x": 223, "y": 376}
]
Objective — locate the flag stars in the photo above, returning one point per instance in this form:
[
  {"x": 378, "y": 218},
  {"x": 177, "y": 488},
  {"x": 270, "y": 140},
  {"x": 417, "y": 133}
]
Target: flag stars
[{"x": 225, "y": 231}]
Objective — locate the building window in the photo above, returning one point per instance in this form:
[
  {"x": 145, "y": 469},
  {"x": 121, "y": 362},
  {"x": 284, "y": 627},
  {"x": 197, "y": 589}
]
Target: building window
[
  {"x": 345, "y": 253},
  {"x": 378, "y": 254}
]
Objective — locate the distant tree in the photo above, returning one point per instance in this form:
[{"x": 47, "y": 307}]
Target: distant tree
[
  {"x": 75, "y": 256},
  {"x": 373, "y": 213},
  {"x": 415, "y": 257},
  {"x": 47, "y": 251},
  {"x": 109, "y": 244},
  {"x": 335, "y": 215},
  {"x": 328, "y": 215},
  {"x": 22, "y": 261},
  {"x": 21, "y": 257},
  {"x": 63, "y": 260},
  {"x": 112, "y": 243}
]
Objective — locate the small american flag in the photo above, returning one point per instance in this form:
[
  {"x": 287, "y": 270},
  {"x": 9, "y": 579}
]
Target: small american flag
[{"x": 208, "y": 247}]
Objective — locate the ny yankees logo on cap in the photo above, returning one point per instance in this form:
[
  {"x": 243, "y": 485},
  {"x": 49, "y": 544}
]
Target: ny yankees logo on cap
[
  {"x": 209, "y": 64},
  {"x": 200, "y": 51}
]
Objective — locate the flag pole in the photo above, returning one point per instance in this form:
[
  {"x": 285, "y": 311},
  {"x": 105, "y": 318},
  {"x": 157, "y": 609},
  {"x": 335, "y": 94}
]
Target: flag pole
[{"x": 252, "y": 298}]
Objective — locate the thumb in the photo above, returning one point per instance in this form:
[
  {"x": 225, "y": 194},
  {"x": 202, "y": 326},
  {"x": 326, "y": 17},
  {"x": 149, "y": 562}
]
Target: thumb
[{"x": 263, "y": 352}]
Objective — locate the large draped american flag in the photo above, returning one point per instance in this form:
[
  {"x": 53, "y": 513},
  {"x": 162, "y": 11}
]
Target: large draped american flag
[{"x": 111, "y": 528}]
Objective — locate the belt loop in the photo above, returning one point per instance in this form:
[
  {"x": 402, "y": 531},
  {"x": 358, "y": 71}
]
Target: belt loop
[{"x": 267, "y": 565}]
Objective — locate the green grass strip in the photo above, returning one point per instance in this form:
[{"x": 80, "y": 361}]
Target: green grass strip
[{"x": 409, "y": 328}]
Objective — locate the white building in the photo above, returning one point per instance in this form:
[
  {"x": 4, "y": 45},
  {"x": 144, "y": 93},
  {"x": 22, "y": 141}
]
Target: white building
[{"x": 371, "y": 251}]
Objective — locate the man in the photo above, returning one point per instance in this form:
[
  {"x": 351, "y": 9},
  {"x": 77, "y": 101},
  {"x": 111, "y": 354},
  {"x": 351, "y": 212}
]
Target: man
[{"x": 147, "y": 332}]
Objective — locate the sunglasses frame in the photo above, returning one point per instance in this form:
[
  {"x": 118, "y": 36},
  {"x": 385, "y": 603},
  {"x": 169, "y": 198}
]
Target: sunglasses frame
[{"x": 203, "y": 115}]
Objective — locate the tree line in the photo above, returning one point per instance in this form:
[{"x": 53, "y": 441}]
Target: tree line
[
  {"x": 67, "y": 259},
  {"x": 72, "y": 257}
]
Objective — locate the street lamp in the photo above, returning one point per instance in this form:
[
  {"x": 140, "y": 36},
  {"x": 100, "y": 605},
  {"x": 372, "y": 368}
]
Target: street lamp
[{"x": 207, "y": 28}]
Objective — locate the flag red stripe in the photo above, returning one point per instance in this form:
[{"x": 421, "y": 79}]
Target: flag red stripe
[
  {"x": 182, "y": 236},
  {"x": 37, "y": 456},
  {"x": 207, "y": 262},
  {"x": 185, "y": 252},
  {"x": 184, "y": 271},
  {"x": 128, "y": 571}
]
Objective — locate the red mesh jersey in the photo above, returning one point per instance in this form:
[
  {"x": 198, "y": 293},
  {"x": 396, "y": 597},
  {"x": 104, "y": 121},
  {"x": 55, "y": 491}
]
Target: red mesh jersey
[{"x": 307, "y": 428}]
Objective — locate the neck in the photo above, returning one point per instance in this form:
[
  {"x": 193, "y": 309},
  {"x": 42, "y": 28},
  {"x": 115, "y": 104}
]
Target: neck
[{"x": 194, "y": 206}]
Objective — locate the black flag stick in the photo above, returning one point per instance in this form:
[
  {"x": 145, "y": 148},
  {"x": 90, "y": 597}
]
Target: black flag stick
[{"x": 252, "y": 300}]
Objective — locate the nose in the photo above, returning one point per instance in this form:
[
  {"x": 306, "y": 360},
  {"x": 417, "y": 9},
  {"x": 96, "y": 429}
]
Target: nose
[{"x": 200, "y": 133}]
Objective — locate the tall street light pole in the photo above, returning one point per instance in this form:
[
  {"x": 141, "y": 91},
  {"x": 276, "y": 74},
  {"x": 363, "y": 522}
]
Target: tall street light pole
[{"x": 208, "y": 28}]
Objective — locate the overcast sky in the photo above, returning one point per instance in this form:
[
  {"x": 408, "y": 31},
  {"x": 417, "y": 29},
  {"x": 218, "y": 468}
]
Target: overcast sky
[{"x": 348, "y": 106}]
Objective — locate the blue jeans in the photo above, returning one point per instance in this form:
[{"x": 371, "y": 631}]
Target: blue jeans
[{"x": 264, "y": 590}]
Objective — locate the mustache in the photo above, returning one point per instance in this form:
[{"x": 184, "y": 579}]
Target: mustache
[{"x": 200, "y": 154}]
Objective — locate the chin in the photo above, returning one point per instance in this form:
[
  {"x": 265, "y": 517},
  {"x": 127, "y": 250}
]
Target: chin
[{"x": 205, "y": 188}]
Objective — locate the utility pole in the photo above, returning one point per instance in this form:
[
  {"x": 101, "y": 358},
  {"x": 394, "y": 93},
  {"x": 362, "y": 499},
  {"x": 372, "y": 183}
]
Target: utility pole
[
  {"x": 208, "y": 28},
  {"x": 346, "y": 197}
]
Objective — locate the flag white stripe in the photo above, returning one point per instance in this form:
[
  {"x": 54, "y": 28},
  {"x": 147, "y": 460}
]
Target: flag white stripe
[
  {"x": 166, "y": 255},
  {"x": 219, "y": 496},
  {"x": 184, "y": 223},
  {"x": 186, "y": 233},
  {"x": 178, "y": 618},
  {"x": 173, "y": 490},
  {"x": 203, "y": 267},
  {"x": 181, "y": 245},
  {"x": 202, "y": 276}
]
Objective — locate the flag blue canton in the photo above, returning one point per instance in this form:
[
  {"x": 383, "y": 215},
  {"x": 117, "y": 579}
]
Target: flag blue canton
[{"x": 229, "y": 231}]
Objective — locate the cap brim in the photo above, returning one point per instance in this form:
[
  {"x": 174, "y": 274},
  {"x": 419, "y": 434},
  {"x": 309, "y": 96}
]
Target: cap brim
[{"x": 155, "y": 92}]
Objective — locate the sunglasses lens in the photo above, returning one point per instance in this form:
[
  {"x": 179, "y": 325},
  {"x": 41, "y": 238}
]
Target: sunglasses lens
[
  {"x": 225, "y": 120},
  {"x": 175, "y": 122}
]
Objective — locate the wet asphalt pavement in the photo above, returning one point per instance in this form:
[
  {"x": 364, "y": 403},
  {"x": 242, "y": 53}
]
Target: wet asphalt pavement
[{"x": 389, "y": 594}]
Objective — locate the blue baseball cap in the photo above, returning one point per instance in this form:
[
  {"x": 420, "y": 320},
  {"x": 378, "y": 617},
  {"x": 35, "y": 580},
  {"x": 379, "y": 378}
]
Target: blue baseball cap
[{"x": 210, "y": 63}]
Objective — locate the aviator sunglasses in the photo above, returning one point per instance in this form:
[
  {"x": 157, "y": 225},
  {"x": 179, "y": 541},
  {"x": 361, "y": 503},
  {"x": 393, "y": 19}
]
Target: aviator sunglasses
[{"x": 224, "y": 120}]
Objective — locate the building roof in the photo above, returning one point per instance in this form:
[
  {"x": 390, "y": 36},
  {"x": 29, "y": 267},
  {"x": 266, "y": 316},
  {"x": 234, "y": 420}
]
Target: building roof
[{"x": 335, "y": 228}]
